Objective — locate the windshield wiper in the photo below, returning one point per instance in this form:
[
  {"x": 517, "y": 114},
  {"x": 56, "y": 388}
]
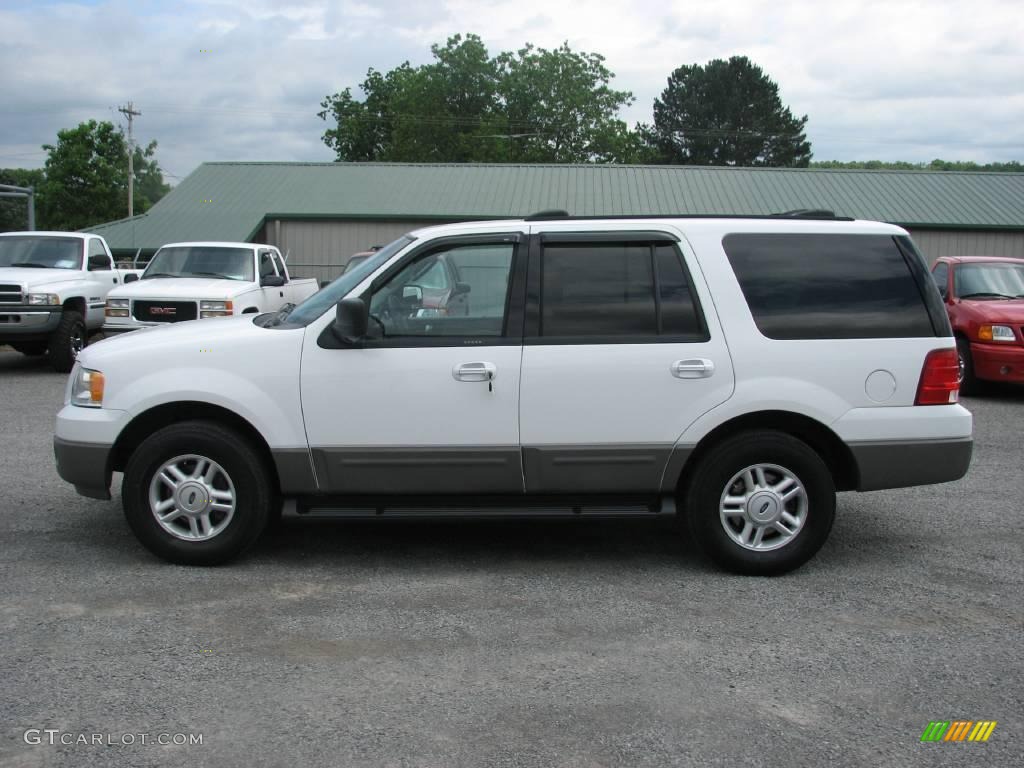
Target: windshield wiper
[
  {"x": 30, "y": 264},
  {"x": 986, "y": 293},
  {"x": 158, "y": 274}
]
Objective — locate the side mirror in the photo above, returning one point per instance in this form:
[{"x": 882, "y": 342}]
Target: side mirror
[
  {"x": 131, "y": 277},
  {"x": 351, "y": 318},
  {"x": 98, "y": 262},
  {"x": 413, "y": 292},
  {"x": 462, "y": 288},
  {"x": 271, "y": 281}
]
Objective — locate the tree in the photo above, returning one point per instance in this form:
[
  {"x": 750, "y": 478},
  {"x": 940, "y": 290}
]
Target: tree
[
  {"x": 1012, "y": 166},
  {"x": 14, "y": 210},
  {"x": 87, "y": 177},
  {"x": 532, "y": 105},
  {"x": 727, "y": 113}
]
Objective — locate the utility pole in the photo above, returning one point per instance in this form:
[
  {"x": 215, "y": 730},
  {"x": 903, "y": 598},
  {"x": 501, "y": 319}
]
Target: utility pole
[{"x": 130, "y": 113}]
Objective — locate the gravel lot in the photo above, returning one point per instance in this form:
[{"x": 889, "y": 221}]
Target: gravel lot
[{"x": 490, "y": 644}]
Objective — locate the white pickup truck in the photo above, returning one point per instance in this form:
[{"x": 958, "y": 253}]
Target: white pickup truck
[
  {"x": 190, "y": 281},
  {"x": 53, "y": 286}
]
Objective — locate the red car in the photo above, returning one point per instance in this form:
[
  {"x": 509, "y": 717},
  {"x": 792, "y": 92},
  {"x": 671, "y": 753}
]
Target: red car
[{"x": 984, "y": 297}]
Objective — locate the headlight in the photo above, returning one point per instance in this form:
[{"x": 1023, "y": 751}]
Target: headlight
[
  {"x": 995, "y": 333},
  {"x": 215, "y": 308},
  {"x": 43, "y": 298},
  {"x": 87, "y": 390},
  {"x": 117, "y": 308}
]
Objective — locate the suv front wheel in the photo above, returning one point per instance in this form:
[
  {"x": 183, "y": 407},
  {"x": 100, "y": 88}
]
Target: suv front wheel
[
  {"x": 761, "y": 503},
  {"x": 196, "y": 493}
]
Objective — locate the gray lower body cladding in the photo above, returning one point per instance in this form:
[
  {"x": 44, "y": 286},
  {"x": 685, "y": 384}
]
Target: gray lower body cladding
[
  {"x": 900, "y": 464},
  {"x": 85, "y": 466}
]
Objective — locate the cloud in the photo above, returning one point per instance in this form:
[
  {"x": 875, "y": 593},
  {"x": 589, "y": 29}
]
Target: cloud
[{"x": 242, "y": 79}]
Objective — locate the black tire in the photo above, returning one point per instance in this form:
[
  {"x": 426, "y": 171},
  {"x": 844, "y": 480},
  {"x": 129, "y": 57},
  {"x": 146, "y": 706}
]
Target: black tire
[
  {"x": 969, "y": 383},
  {"x": 67, "y": 341},
  {"x": 703, "y": 497},
  {"x": 254, "y": 496},
  {"x": 31, "y": 348}
]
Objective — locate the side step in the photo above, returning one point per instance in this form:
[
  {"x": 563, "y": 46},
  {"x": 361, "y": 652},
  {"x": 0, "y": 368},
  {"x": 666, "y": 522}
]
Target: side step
[{"x": 490, "y": 509}]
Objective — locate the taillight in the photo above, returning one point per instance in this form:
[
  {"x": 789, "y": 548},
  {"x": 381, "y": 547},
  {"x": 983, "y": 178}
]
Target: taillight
[{"x": 940, "y": 378}]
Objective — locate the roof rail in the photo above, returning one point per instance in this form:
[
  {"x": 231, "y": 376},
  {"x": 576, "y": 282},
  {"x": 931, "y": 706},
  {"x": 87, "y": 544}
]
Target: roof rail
[
  {"x": 554, "y": 213},
  {"x": 807, "y": 213}
]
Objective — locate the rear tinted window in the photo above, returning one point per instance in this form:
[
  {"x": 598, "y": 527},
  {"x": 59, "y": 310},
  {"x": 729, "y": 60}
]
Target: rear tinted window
[{"x": 828, "y": 286}]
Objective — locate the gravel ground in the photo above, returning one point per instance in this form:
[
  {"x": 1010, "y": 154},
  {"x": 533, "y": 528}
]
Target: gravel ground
[{"x": 584, "y": 643}]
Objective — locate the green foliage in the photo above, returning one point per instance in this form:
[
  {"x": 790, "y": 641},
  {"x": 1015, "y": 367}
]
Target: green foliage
[
  {"x": 14, "y": 210},
  {"x": 726, "y": 113},
  {"x": 935, "y": 165},
  {"x": 86, "y": 178},
  {"x": 532, "y": 105}
]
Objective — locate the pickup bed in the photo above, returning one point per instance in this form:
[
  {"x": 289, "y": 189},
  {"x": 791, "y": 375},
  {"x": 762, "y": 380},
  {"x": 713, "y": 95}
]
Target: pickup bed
[
  {"x": 53, "y": 286},
  {"x": 194, "y": 281}
]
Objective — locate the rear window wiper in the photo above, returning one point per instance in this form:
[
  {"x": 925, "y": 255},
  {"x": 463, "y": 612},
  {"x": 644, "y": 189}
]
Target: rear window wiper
[{"x": 986, "y": 293}]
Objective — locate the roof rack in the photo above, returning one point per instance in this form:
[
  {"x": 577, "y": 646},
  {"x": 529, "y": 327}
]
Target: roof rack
[
  {"x": 799, "y": 213},
  {"x": 807, "y": 213},
  {"x": 554, "y": 213}
]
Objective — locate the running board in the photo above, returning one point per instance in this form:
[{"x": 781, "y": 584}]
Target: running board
[{"x": 491, "y": 510}]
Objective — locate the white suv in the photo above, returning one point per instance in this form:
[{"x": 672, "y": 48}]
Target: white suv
[{"x": 738, "y": 371}]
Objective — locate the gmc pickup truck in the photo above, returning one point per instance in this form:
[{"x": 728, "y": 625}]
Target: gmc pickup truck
[
  {"x": 190, "y": 281},
  {"x": 53, "y": 286}
]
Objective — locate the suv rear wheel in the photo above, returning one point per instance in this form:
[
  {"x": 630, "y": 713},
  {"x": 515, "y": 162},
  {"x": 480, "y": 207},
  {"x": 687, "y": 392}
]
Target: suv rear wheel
[
  {"x": 761, "y": 503},
  {"x": 196, "y": 493}
]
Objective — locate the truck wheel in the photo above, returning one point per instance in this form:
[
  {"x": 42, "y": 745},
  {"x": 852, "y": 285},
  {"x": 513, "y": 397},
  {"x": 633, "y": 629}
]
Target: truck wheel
[
  {"x": 196, "y": 493},
  {"x": 969, "y": 384},
  {"x": 761, "y": 503},
  {"x": 67, "y": 341},
  {"x": 31, "y": 348}
]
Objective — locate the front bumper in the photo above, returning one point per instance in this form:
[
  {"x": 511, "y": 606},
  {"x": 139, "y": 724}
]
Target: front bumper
[
  {"x": 82, "y": 446},
  {"x": 998, "y": 362},
  {"x": 28, "y": 322},
  {"x": 85, "y": 465}
]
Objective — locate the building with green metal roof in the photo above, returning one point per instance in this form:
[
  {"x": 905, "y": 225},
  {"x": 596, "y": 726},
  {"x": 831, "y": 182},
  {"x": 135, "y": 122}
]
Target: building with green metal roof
[{"x": 321, "y": 213}]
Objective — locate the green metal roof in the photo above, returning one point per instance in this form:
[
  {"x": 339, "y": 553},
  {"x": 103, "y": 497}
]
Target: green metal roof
[{"x": 229, "y": 201}]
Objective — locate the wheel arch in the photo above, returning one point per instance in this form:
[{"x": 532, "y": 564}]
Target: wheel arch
[
  {"x": 160, "y": 416},
  {"x": 827, "y": 444},
  {"x": 76, "y": 304},
  {"x": 250, "y": 310}
]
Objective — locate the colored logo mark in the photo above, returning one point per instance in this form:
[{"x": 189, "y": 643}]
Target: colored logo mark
[{"x": 958, "y": 730}]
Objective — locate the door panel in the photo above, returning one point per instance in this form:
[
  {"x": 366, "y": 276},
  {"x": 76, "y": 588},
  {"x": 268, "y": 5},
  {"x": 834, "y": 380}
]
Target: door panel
[
  {"x": 430, "y": 404},
  {"x": 601, "y": 412}
]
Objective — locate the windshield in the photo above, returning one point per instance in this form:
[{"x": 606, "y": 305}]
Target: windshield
[
  {"x": 201, "y": 261},
  {"x": 990, "y": 280},
  {"x": 320, "y": 302},
  {"x": 41, "y": 252}
]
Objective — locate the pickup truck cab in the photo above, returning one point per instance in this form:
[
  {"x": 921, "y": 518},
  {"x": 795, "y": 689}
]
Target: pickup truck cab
[
  {"x": 190, "y": 281},
  {"x": 738, "y": 372},
  {"x": 984, "y": 296},
  {"x": 53, "y": 287}
]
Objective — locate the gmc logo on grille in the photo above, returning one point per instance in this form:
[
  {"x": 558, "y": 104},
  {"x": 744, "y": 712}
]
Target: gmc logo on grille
[{"x": 162, "y": 310}]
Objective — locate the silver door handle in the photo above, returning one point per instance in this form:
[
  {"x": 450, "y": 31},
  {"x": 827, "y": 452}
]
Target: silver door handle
[
  {"x": 475, "y": 372},
  {"x": 697, "y": 368}
]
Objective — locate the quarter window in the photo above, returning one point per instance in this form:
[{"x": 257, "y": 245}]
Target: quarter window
[
  {"x": 611, "y": 291},
  {"x": 828, "y": 286},
  {"x": 941, "y": 276}
]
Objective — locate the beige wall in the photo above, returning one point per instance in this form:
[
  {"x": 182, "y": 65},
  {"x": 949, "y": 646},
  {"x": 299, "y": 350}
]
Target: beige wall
[
  {"x": 935, "y": 243},
  {"x": 320, "y": 247}
]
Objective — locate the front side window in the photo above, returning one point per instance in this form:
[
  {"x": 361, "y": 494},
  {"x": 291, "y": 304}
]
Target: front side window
[
  {"x": 96, "y": 249},
  {"x": 266, "y": 264},
  {"x": 41, "y": 252},
  {"x": 201, "y": 261},
  {"x": 817, "y": 286},
  {"x": 453, "y": 292},
  {"x": 990, "y": 280},
  {"x": 617, "y": 291},
  {"x": 278, "y": 263}
]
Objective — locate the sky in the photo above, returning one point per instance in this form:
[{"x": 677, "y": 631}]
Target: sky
[{"x": 243, "y": 79}]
